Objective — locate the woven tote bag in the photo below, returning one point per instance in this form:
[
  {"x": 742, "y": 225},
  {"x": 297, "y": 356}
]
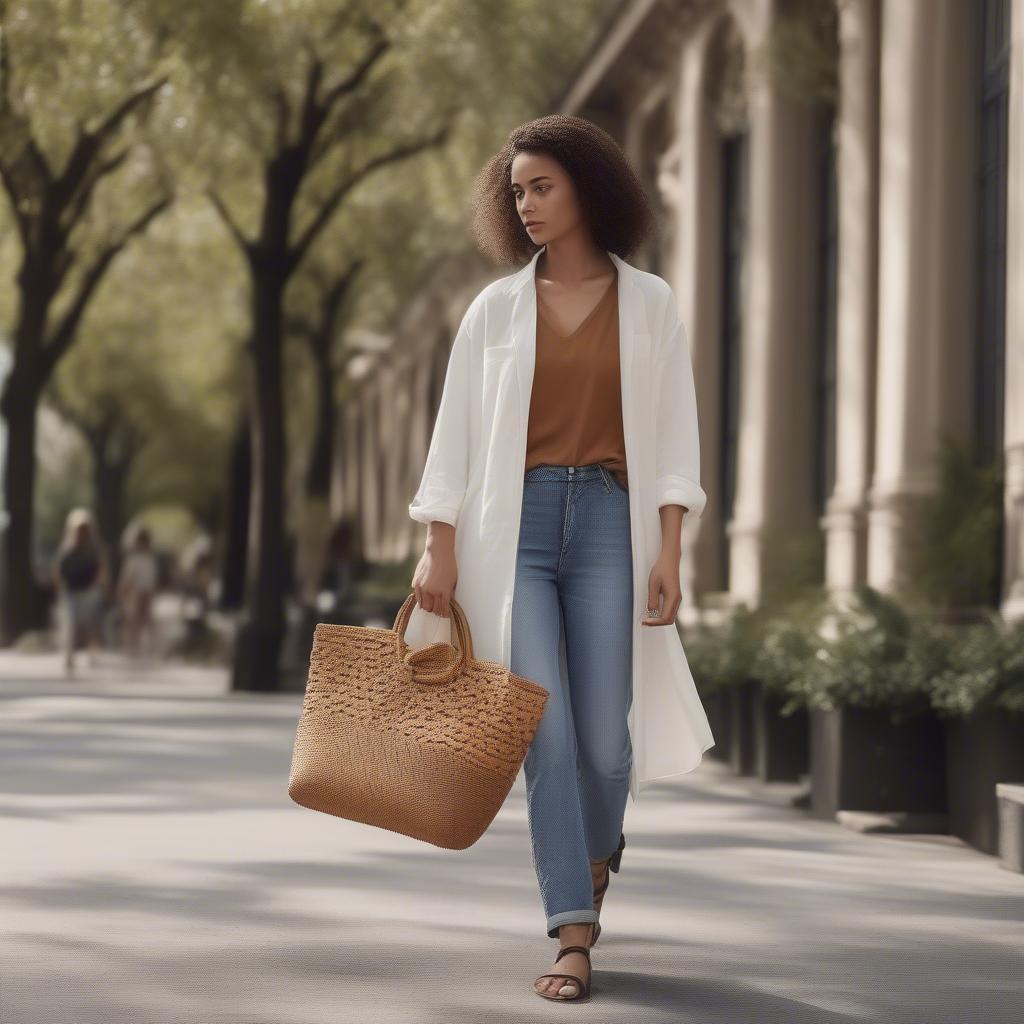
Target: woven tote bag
[{"x": 427, "y": 743}]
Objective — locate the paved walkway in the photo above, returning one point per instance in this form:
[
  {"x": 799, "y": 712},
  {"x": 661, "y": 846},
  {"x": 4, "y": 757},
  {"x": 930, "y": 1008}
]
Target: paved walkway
[{"x": 156, "y": 872}]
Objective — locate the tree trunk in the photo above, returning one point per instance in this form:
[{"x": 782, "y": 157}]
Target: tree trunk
[
  {"x": 24, "y": 601},
  {"x": 262, "y": 631}
]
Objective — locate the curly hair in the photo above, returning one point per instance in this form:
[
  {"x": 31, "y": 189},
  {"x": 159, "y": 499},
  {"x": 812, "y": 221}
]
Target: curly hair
[{"x": 613, "y": 200}]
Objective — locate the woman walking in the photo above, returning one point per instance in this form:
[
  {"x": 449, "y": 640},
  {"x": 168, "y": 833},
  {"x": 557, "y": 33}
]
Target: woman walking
[
  {"x": 136, "y": 589},
  {"x": 573, "y": 377},
  {"x": 80, "y": 574}
]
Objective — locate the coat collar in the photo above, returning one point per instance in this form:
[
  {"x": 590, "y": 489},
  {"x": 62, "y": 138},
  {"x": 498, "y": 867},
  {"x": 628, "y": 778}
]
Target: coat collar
[{"x": 524, "y": 276}]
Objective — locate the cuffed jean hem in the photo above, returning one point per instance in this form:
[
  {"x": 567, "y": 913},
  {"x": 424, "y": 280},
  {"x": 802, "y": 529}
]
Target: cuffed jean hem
[{"x": 570, "y": 917}]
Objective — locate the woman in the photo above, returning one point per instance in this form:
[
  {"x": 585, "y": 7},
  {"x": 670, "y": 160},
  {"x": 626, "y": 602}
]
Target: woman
[
  {"x": 136, "y": 587},
  {"x": 80, "y": 575},
  {"x": 565, "y": 449}
]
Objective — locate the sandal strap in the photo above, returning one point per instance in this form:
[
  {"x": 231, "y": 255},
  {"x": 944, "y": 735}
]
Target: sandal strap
[
  {"x": 572, "y": 949},
  {"x": 582, "y": 988},
  {"x": 572, "y": 976}
]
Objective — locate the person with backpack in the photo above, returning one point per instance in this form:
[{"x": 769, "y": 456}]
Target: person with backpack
[{"x": 80, "y": 576}]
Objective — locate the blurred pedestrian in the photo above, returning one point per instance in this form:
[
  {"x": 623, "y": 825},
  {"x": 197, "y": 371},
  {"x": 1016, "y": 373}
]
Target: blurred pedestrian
[
  {"x": 80, "y": 575},
  {"x": 196, "y": 580},
  {"x": 340, "y": 569},
  {"x": 136, "y": 589}
]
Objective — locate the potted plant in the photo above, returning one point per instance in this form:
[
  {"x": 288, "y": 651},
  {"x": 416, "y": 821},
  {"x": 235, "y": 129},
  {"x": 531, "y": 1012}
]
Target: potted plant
[
  {"x": 979, "y": 694},
  {"x": 780, "y": 718},
  {"x": 722, "y": 656},
  {"x": 876, "y": 744}
]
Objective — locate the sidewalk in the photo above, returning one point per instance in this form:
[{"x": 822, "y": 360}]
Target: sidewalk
[{"x": 156, "y": 872}]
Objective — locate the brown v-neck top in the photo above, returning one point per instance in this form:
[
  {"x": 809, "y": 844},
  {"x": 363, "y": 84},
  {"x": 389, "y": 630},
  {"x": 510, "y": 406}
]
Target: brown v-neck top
[{"x": 576, "y": 402}]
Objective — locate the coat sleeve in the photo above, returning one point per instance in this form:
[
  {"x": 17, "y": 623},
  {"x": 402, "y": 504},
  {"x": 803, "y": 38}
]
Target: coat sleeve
[
  {"x": 445, "y": 476},
  {"x": 677, "y": 474}
]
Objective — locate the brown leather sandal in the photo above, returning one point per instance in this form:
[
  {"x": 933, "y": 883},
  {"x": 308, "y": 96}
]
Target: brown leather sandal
[
  {"x": 610, "y": 864},
  {"x": 582, "y": 989}
]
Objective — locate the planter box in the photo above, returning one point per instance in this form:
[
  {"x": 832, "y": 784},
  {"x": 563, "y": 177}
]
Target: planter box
[
  {"x": 862, "y": 761},
  {"x": 1011, "y": 826},
  {"x": 780, "y": 742},
  {"x": 741, "y": 726},
  {"x": 982, "y": 749}
]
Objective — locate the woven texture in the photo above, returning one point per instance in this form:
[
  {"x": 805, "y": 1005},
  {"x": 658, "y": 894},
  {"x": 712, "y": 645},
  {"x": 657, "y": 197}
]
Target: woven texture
[{"x": 427, "y": 743}]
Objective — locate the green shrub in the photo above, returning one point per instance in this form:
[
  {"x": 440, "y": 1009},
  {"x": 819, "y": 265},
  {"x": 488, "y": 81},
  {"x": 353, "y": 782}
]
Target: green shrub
[
  {"x": 789, "y": 640},
  {"x": 870, "y": 653},
  {"x": 984, "y": 668},
  {"x": 871, "y": 650},
  {"x": 723, "y": 655}
]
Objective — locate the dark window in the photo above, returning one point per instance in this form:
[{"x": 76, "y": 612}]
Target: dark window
[
  {"x": 993, "y": 48},
  {"x": 734, "y": 229},
  {"x": 993, "y": 86},
  {"x": 825, "y": 318}
]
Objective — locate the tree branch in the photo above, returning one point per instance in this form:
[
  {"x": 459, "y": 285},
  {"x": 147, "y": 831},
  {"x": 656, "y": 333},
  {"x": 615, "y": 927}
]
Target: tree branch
[
  {"x": 89, "y": 144},
  {"x": 327, "y": 209},
  {"x": 24, "y": 171},
  {"x": 331, "y": 304},
  {"x": 64, "y": 334},
  {"x": 221, "y": 207},
  {"x": 312, "y": 115},
  {"x": 84, "y": 194},
  {"x": 350, "y": 84}
]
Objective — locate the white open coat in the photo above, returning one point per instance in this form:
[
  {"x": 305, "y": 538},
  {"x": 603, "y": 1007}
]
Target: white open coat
[{"x": 473, "y": 479}]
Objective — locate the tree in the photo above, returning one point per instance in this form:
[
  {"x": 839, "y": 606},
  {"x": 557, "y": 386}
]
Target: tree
[
  {"x": 302, "y": 103},
  {"x": 152, "y": 385},
  {"x": 64, "y": 134},
  {"x": 298, "y": 114}
]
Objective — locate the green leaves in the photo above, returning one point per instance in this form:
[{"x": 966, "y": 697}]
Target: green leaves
[
  {"x": 984, "y": 667},
  {"x": 869, "y": 650}
]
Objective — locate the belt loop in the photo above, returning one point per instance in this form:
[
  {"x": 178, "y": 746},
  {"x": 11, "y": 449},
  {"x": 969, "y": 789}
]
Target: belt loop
[{"x": 604, "y": 478}]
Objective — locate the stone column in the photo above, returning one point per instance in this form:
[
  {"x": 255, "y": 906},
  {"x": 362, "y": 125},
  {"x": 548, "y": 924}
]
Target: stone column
[
  {"x": 857, "y": 293},
  {"x": 695, "y": 195},
  {"x": 926, "y": 268},
  {"x": 393, "y": 428},
  {"x": 1013, "y": 430},
  {"x": 417, "y": 438},
  {"x": 774, "y": 495}
]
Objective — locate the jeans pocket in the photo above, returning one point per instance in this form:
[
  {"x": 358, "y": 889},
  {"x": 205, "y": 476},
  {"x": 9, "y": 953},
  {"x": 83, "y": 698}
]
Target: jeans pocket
[{"x": 618, "y": 484}]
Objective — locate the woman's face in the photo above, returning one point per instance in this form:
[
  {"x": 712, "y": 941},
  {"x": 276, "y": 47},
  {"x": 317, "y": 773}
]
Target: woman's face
[{"x": 545, "y": 193}]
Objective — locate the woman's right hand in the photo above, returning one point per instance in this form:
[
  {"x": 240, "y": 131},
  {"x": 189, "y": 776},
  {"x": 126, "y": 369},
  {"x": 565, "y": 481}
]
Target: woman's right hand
[{"x": 437, "y": 573}]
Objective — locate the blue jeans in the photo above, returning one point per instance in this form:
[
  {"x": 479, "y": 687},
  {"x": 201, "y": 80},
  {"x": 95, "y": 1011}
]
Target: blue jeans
[{"x": 574, "y": 566}]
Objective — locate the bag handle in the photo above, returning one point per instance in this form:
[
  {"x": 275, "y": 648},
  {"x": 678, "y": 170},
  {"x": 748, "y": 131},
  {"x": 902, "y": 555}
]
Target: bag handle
[{"x": 414, "y": 659}]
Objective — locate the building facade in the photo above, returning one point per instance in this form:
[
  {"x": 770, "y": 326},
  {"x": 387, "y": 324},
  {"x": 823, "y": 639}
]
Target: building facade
[{"x": 840, "y": 197}]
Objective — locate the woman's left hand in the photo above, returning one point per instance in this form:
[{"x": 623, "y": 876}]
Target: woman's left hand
[{"x": 664, "y": 582}]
